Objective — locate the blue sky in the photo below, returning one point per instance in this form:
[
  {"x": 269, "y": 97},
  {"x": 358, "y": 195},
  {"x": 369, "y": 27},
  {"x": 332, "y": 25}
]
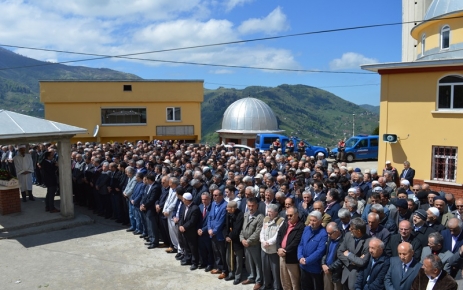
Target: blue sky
[{"x": 120, "y": 27}]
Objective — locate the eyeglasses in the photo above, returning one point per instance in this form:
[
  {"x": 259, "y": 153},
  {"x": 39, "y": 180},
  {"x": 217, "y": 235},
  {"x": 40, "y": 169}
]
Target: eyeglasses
[
  {"x": 459, "y": 206},
  {"x": 215, "y": 195},
  {"x": 329, "y": 234},
  {"x": 289, "y": 215}
]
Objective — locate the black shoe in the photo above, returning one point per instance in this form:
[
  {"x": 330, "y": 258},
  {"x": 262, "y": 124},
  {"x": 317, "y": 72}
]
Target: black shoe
[
  {"x": 236, "y": 282},
  {"x": 193, "y": 267},
  {"x": 148, "y": 243},
  {"x": 185, "y": 263},
  {"x": 229, "y": 277},
  {"x": 143, "y": 237},
  {"x": 202, "y": 266},
  {"x": 137, "y": 233},
  {"x": 178, "y": 255},
  {"x": 179, "y": 258},
  {"x": 152, "y": 247},
  {"x": 208, "y": 268},
  {"x": 129, "y": 230}
]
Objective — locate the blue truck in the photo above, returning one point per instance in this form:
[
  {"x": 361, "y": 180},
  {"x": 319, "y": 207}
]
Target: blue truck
[
  {"x": 359, "y": 147},
  {"x": 264, "y": 141}
]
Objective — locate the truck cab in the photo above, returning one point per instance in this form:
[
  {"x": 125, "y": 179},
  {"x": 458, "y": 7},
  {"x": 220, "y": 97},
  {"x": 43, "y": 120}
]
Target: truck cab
[{"x": 360, "y": 147}]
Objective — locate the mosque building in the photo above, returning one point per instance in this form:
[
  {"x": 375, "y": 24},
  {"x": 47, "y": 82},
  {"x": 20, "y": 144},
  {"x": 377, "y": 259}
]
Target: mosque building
[
  {"x": 422, "y": 99},
  {"x": 246, "y": 118}
]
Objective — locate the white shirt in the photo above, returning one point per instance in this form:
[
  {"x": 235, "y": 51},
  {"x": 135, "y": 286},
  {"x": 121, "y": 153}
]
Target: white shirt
[{"x": 432, "y": 282}]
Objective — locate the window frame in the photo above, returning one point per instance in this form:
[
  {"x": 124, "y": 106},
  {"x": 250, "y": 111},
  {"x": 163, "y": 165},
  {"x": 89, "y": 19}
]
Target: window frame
[
  {"x": 423, "y": 44},
  {"x": 444, "y": 29},
  {"x": 446, "y": 165},
  {"x": 173, "y": 114},
  {"x": 452, "y": 96},
  {"x": 123, "y": 108}
]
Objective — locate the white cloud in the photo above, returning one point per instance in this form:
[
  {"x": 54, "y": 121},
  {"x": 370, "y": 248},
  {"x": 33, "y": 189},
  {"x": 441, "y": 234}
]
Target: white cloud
[
  {"x": 272, "y": 23},
  {"x": 221, "y": 71},
  {"x": 102, "y": 31},
  {"x": 350, "y": 60},
  {"x": 230, "y": 4}
]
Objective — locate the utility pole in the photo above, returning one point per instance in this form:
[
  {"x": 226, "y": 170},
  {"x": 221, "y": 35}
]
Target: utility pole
[{"x": 353, "y": 124}]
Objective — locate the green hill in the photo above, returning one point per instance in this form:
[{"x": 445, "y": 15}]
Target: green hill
[
  {"x": 20, "y": 75},
  {"x": 308, "y": 112}
]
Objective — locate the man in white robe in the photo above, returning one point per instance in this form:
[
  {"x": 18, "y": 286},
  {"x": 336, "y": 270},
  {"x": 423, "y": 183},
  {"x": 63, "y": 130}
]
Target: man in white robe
[{"x": 24, "y": 168}]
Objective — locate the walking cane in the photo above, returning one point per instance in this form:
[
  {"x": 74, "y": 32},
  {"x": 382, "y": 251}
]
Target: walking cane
[{"x": 231, "y": 253}]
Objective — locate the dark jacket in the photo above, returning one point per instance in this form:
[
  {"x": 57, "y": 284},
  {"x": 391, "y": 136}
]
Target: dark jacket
[
  {"x": 422, "y": 235},
  {"x": 190, "y": 221},
  {"x": 233, "y": 226},
  {"x": 372, "y": 277},
  {"x": 292, "y": 242},
  {"x": 395, "y": 240},
  {"x": 49, "y": 173},
  {"x": 149, "y": 198},
  {"x": 447, "y": 246},
  {"x": 444, "y": 282},
  {"x": 102, "y": 182},
  {"x": 336, "y": 266}
]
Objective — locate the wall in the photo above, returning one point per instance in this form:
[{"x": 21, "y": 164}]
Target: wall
[
  {"x": 79, "y": 104},
  {"x": 408, "y": 104}
]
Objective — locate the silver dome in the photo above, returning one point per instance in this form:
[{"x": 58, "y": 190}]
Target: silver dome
[
  {"x": 249, "y": 115},
  {"x": 442, "y": 7}
]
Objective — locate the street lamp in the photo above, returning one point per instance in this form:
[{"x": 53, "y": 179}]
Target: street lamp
[{"x": 353, "y": 124}]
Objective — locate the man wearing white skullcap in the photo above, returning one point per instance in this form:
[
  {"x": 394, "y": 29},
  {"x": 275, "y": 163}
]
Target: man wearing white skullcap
[
  {"x": 190, "y": 216},
  {"x": 24, "y": 168}
]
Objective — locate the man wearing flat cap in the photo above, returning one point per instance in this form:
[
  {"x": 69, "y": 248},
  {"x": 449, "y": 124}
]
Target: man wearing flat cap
[
  {"x": 24, "y": 168},
  {"x": 441, "y": 204},
  {"x": 421, "y": 231}
]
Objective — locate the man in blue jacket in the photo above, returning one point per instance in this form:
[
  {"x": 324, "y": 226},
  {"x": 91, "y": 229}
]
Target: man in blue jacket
[
  {"x": 310, "y": 253},
  {"x": 215, "y": 226},
  {"x": 372, "y": 277}
]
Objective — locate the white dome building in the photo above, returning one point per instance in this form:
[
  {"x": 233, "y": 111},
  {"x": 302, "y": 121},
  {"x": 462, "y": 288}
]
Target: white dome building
[{"x": 246, "y": 118}]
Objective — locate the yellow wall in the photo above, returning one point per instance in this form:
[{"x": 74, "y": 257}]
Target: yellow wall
[
  {"x": 407, "y": 104},
  {"x": 79, "y": 104},
  {"x": 432, "y": 30}
]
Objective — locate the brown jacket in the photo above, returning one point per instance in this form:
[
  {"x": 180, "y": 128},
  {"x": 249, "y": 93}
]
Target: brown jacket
[{"x": 445, "y": 281}]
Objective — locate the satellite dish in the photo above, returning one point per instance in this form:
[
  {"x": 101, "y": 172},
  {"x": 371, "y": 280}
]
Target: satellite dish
[{"x": 95, "y": 130}]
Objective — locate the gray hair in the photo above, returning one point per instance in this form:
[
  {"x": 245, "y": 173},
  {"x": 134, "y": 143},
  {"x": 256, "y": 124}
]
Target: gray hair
[
  {"x": 436, "y": 262},
  {"x": 174, "y": 180},
  {"x": 273, "y": 207},
  {"x": 213, "y": 187},
  {"x": 306, "y": 192},
  {"x": 279, "y": 194},
  {"x": 437, "y": 237},
  {"x": 343, "y": 213},
  {"x": 140, "y": 162},
  {"x": 381, "y": 243},
  {"x": 333, "y": 226},
  {"x": 316, "y": 214},
  {"x": 206, "y": 194},
  {"x": 232, "y": 204},
  {"x": 130, "y": 169},
  {"x": 378, "y": 208},
  {"x": 252, "y": 189},
  {"x": 247, "y": 179}
]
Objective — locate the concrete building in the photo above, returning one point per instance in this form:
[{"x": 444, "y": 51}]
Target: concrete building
[
  {"x": 246, "y": 118},
  {"x": 422, "y": 100},
  {"x": 413, "y": 13},
  {"x": 127, "y": 110}
]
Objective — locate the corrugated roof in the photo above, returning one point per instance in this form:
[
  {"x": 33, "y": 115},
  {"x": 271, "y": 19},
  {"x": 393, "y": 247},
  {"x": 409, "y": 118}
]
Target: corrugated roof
[{"x": 15, "y": 125}]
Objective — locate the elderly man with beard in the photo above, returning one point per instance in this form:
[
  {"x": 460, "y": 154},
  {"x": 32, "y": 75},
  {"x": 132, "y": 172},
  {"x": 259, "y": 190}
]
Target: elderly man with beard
[{"x": 310, "y": 252}]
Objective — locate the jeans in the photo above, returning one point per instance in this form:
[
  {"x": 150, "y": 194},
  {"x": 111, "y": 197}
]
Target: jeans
[{"x": 133, "y": 221}]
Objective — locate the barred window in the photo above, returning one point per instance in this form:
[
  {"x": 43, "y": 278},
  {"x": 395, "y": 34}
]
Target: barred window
[{"x": 444, "y": 163}]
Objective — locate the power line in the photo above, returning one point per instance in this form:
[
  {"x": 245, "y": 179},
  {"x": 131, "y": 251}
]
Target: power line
[
  {"x": 126, "y": 56},
  {"x": 324, "y": 87}
]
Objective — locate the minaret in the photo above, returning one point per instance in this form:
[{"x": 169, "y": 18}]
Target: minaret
[{"x": 413, "y": 11}]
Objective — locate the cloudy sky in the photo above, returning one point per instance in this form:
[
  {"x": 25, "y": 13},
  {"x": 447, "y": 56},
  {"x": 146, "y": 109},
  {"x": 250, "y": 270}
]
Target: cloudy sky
[{"x": 120, "y": 27}]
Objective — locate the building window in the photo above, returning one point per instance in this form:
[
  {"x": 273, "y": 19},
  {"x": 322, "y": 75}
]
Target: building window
[
  {"x": 127, "y": 88},
  {"x": 445, "y": 37},
  {"x": 174, "y": 130},
  {"x": 444, "y": 163},
  {"x": 123, "y": 116},
  {"x": 174, "y": 114},
  {"x": 423, "y": 44},
  {"x": 450, "y": 93}
]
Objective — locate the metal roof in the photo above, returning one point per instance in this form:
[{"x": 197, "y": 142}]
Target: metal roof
[
  {"x": 124, "y": 81},
  {"x": 16, "y": 125},
  {"x": 413, "y": 64},
  {"x": 249, "y": 115},
  {"x": 442, "y": 7}
]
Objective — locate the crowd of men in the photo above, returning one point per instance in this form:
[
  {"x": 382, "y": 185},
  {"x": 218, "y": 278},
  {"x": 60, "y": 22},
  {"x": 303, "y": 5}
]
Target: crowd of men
[{"x": 269, "y": 219}]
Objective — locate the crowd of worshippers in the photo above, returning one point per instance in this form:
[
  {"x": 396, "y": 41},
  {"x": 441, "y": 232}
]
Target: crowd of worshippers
[{"x": 268, "y": 219}]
